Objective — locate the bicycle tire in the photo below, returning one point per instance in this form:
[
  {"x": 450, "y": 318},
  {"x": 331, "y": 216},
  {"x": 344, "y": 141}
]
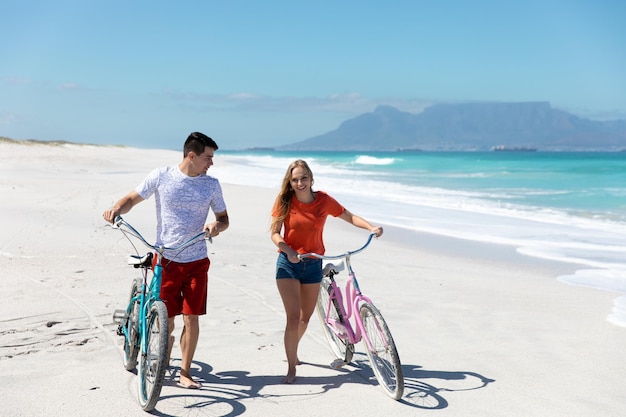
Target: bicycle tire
[
  {"x": 131, "y": 328},
  {"x": 342, "y": 349},
  {"x": 153, "y": 362},
  {"x": 383, "y": 354}
]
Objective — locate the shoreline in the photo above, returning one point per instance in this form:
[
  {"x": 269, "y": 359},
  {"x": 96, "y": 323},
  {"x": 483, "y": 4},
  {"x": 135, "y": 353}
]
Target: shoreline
[{"x": 481, "y": 330}]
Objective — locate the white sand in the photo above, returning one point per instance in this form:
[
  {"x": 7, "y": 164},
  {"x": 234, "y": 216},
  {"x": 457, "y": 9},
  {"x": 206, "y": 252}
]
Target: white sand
[{"x": 480, "y": 330}]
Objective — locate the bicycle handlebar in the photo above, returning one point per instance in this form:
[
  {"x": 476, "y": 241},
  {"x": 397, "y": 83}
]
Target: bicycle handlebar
[
  {"x": 343, "y": 255},
  {"x": 119, "y": 222}
]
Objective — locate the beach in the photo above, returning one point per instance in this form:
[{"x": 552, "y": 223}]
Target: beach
[{"x": 481, "y": 330}]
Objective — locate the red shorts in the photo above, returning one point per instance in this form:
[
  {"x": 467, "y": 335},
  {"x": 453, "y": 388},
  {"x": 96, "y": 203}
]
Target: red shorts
[{"x": 184, "y": 286}]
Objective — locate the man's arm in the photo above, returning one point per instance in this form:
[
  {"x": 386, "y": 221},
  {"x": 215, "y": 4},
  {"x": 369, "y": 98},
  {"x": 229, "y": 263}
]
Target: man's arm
[
  {"x": 220, "y": 224},
  {"x": 123, "y": 206}
]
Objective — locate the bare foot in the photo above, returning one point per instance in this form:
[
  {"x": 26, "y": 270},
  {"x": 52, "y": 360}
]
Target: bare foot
[
  {"x": 185, "y": 381},
  {"x": 290, "y": 377}
]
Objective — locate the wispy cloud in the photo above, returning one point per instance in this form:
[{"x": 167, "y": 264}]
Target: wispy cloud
[
  {"x": 70, "y": 87},
  {"x": 598, "y": 115},
  {"x": 16, "y": 81},
  {"x": 7, "y": 118},
  {"x": 27, "y": 82},
  {"x": 350, "y": 103}
]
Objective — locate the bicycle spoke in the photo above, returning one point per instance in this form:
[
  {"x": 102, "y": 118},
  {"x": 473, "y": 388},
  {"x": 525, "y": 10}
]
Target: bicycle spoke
[
  {"x": 130, "y": 327},
  {"x": 381, "y": 351},
  {"x": 153, "y": 361}
]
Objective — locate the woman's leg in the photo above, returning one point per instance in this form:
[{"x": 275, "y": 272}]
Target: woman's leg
[
  {"x": 308, "y": 301},
  {"x": 289, "y": 289}
]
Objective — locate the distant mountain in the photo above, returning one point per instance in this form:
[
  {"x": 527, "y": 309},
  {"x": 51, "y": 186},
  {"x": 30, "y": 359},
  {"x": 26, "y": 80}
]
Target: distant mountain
[{"x": 470, "y": 126}]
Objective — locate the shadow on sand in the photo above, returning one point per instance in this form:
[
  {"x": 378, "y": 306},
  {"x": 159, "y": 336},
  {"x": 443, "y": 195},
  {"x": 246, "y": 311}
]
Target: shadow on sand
[{"x": 226, "y": 392}]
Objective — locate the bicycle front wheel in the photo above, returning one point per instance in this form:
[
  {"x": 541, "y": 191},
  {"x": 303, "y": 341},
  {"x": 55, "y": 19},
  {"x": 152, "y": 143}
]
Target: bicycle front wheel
[
  {"x": 381, "y": 351},
  {"x": 341, "y": 348},
  {"x": 153, "y": 361},
  {"x": 131, "y": 327}
]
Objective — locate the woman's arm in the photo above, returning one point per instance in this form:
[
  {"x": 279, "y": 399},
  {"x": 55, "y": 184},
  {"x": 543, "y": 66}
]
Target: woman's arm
[
  {"x": 359, "y": 221},
  {"x": 279, "y": 241}
]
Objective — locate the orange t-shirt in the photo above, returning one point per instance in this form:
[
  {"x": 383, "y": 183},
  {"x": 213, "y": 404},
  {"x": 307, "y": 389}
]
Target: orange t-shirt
[{"x": 304, "y": 224}]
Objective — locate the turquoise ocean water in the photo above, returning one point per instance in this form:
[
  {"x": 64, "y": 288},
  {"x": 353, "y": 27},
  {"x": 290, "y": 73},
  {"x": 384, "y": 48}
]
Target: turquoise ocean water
[{"x": 560, "y": 206}]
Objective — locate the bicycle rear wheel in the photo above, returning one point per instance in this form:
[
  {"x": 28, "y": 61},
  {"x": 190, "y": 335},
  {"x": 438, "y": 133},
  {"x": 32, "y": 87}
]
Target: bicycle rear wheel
[
  {"x": 131, "y": 327},
  {"x": 153, "y": 362},
  {"x": 382, "y": 351},
  {"x": 341, "y": 348}
]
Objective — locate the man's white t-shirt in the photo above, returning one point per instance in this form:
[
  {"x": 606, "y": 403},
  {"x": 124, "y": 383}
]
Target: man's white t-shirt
[{"x": 182, "y": 208}]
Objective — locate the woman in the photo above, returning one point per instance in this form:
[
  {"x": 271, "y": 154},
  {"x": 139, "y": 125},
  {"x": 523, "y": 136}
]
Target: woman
[{"x": 300, "y": 213}]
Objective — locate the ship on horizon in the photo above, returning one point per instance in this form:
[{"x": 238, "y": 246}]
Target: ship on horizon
[
  {"x": 502, "y": 148},
  {"x": 260, "y": 148}
]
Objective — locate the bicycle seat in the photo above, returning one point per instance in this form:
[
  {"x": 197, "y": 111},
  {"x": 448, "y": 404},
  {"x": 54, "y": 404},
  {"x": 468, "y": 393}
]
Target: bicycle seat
[
  {"x": 333, "y": 269},
  {"x": 139, "y": 261}
]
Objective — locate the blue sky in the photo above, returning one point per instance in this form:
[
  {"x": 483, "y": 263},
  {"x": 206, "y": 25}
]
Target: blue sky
[{"x": 265, "y": 73}]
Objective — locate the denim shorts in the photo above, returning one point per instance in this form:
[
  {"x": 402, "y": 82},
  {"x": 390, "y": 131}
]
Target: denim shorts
[{"x": 307, "y": 271}]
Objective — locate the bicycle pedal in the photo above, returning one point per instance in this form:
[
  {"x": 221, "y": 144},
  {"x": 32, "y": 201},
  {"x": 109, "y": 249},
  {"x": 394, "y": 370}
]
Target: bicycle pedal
[
  {"x": 120, "y": 330},
  {"x": 337, "y": 364},
  {"x": 119, "y": 315}
]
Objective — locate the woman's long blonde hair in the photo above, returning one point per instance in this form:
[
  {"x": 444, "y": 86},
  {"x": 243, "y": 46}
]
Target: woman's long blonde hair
[{"x": 286, "y": 191}]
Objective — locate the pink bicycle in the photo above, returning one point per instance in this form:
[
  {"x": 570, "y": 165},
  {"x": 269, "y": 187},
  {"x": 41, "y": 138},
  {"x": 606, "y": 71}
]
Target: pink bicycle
[{"x": 368, "y": 325}]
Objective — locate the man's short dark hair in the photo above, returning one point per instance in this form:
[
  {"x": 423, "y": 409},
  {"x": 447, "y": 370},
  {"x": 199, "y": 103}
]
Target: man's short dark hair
[{"x": 196, "y": 142}]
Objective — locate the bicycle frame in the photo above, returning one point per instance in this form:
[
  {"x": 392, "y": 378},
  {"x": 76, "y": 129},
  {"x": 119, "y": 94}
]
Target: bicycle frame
[
  {"x": 352, "y": 322},
  {"x": 354, "y": 298},
  {"x": 150, "y": 292}
]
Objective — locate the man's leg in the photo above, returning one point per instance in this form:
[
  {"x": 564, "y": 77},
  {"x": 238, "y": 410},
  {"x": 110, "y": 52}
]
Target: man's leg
[
  {"x": 170, "y": 327},
  {"x": 194, "y": 292},
  {"x": 188, "y": 343}
]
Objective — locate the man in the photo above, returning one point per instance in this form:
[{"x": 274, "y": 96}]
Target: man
[{"x": 184, "y": 195}]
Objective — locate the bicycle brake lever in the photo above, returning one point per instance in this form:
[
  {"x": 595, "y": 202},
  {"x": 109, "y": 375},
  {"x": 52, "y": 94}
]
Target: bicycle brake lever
[{"x": 117, "y": 222}]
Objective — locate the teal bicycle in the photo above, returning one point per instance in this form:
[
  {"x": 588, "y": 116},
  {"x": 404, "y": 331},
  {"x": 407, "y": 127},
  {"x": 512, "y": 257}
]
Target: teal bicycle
[{"x": 144, "y": 322}]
